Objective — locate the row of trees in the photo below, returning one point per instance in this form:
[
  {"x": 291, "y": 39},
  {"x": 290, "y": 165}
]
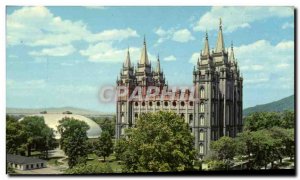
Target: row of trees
[
  {"x": 29, "y": 134},
  {"x": 268, "y": 137}
]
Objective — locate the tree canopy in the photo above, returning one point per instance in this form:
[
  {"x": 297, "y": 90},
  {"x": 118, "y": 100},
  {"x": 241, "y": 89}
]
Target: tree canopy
[
  {"x": 74, "y": 140},
  {"x": 159, "y": 142}
]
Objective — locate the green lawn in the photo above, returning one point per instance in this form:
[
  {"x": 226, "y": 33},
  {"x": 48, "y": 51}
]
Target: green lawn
[
  {"x": 54, "y": 161},
  {"x": 111, "y": 160}
]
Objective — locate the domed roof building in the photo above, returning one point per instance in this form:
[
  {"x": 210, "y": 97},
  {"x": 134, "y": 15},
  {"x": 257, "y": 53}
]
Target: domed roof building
[{"x": 52, "y": 121}]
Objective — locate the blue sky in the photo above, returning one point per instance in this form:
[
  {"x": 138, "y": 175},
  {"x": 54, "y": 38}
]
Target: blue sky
[{"x": 62, "y": 56}]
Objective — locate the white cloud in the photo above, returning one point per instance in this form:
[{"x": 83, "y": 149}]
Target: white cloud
[
  {"x": 178, "y": 35},
  {"x": 105, "y": 52},
  {"x": 31, "y": 84},
  {"x": 183, "y": 35},
  {"x": 38, "y": 27},
  {"x": 287, "y": 25},
  {"x": 170, "y": 58},
  {"x": 263, "y": 63},
  {"x": 56, "y": 51},
  {"x": 238, "y": 17}
]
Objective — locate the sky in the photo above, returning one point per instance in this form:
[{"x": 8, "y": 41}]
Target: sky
[{"x": 63, "y": 56}]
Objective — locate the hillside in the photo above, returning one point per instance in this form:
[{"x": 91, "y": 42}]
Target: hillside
[
  {"x": 278, "y": 106},
  {"x": 23, "y": 111}
]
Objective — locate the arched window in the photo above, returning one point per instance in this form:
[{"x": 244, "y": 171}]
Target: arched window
[
  {"x": 143, "y": 103},
  {"x": 182, "y": 103},
  {"x": 136, "y": 115},
  {"x": 182, "y": 115},
  {"x": 201, "y": 149},
  {"x": 201, "y": 136},
  {"x": 166, "y": 103},
  {"x": 150, "y": 103},
  {"x": 123, "y": 107},
  {"x": 201, "y": 121},
  {"x": 191, "y": 103},
  {"x": 174, "y": 103},
  {"x": 122, "y": 118},
  {"x": 158, "y": 104},
  {"x": 190, "y": 119},
  {"x": 136, "y": 103},
  {"x": 202, "y": 107},
  {"x": 202, "y": 92}
]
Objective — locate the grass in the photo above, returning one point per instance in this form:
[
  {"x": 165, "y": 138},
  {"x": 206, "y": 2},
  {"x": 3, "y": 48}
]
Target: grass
[
  {"x": 111, "y": 160},
  {"x": 54, "y": 161}
]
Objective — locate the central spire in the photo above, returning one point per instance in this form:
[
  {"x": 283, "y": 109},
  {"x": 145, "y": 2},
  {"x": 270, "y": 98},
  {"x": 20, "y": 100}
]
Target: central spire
[
  {"x": 220, "y": 47},
  {"x": 144, "y": 55},
  {"x": 206, "y": 46}
]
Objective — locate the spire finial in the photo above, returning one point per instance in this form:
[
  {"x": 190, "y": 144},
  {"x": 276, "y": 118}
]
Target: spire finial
[
  {"x": 231, "y": 45},
  {"x": 220, "y": 23},
  {"x": 206, "y": 34},
  {"x": 144, "y": 39}
]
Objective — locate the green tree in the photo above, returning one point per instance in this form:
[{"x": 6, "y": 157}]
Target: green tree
[
  {"x": 104, "y": 146},
  {"x": 106, "y": 124},
  {"x": 288, "y": 120},
  {"x": 120, "y": 148},
  {"x": 15, "y": 136},
  {"x": 89, "y": 169},
  {"x": 225, "y": 149},
  {"x": 159, "y": 142},
  {"x": 38, "y": 135},
  {"x": 74, "y": 140},
  {"x": 262, "y": 120}
]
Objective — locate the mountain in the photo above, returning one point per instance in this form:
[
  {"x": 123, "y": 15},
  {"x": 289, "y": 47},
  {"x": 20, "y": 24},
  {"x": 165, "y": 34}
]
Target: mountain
[
  {"x": 59, "y": 110},
  {"x": 276, "y": 106}
]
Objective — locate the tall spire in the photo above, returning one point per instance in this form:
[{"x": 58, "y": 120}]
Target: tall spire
[
  {"x": 144, "y": 55},
  {"x": 231, "y": 57},
  {"x": 158, "y": 65},
  {"x": 127, "y": 61},
  {"x": 206, "y": 45},
  {"x": 220, "y": 47}
]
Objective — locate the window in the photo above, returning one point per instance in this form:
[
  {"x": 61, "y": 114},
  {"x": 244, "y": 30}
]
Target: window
[
  {"x": 123, "y": 107},
  {"x": 201, "y": 121},
  {"x": 27, "y": 166},
  {"x": 31, "y": 166},
  {"x": 122, "y": 118},
  {"x": 136, "y": 103},
  {"x": 150, "y": 103},
  {"x": 136, "y": 115},
  {"x": 202, "y": 107},
  {"x": 191, "y": 117},
  {"x": 143, "y": 103},
  {"x": 37, "y": 165},
  {"x": 191, "y": 103},
  {"x": 182, "y": 115},
  {"x": 201, "y": 136},
  {"x": 174, "y": 103},
  {"x": 213, "y": 108},
  {"x": 166, "y": 103},
  {"x": 202, "y": 92},
  {"x": 158, "y": 104},
  {"x": 182, "y": 103},
  {"x": 42, "y": 164},
  {"x": 201, "y": 149}
]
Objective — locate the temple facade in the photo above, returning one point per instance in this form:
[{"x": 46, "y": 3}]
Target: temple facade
[{"x": 212, "y": 110}]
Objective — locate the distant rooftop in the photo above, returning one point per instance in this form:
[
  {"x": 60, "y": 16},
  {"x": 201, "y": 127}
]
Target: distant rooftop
[{"x": 17, "y": 159}]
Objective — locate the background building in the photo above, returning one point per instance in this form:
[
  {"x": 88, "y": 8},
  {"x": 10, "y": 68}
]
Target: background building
[
  {"x": 215, "y": 109},
  {"x": 24, "y": 163}
]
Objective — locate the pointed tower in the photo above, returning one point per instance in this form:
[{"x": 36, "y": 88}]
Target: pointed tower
[
  {"x": 127, "y": 62},
  {"x": 231, "y": 57},
  {"x": 206, "y": 46},
  {"x": 220, "y": 47},
  {"x": 144, "y": 54},
  {"x": 158, "y": 75},
  {"x": 144, "y": 74}
]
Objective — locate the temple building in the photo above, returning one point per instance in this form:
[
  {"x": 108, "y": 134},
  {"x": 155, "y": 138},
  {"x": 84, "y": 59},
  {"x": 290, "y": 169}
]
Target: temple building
[{"x": 212, "y": 110}]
